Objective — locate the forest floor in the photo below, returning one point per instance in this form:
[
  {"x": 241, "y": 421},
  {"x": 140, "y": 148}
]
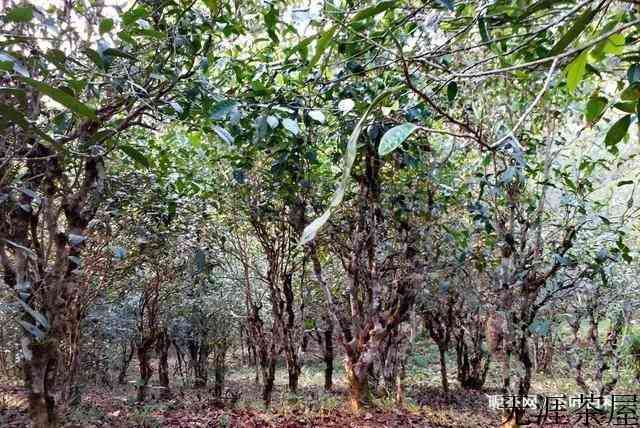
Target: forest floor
[{"x": 425, "y": 406}]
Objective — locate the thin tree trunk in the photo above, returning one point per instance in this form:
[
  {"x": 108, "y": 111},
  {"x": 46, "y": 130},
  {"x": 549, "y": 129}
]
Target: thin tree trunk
[
  {"x": 443, "y": 369},
  {"x": 179, "y": 358},
  {"x": 71, "y": 390},
  {"x": 219, "y": 371},
  {"x": 328, "y": 356},
  {"x": 126, "y": 360}
]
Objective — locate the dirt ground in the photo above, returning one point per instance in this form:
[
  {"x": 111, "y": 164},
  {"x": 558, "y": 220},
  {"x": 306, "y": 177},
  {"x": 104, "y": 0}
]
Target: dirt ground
[{"x": 425, "y": 405}]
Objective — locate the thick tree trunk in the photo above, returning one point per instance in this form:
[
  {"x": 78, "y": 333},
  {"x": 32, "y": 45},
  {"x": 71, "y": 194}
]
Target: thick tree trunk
[
  {"x": 201, "y": 373},
  {"x": 146, "y": 371},
  {"x": 473, "y": 364},
  {"x": 40, "y": 365},
  {"x": 218, "y": 386},
  {"x": 509, "y": 421},
  {"x": 199, "y": 352},
  {"x": 357, "y": 378},
  {"x": 268, "y": 377},
  {"x": 293, "y": 370},
  {"x": 162, "y": 348},
  {"x": 219, "y": 371}
]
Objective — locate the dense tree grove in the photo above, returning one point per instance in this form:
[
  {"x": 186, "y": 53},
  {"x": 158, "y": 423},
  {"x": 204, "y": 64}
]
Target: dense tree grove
[{"x": 318, "y": 213}]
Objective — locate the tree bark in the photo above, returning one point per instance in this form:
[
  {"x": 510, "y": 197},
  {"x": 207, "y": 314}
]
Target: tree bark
[
  {"x": 146, "y": 371},
  {"x": 219, "y": 367},
  {"x": 472, "y": 363},
  {"x": 268, "y": 376},
  {"x": 328, "y": 356},
  {"x": 162, "y": 348},
  {"x": 179, "y": 359},
  {"x": 443, "y": 369},
  {"x": 127, "y": 356},
  {"x": 358, "y": 386},
  {"x": 40, "y": 365}
]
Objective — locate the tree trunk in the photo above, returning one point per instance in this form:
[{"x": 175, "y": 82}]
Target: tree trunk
[
  {"x": 71, "y": 391},
  {"x": 293, "y": 370},
  {"x": 201, "y": 373},
  {"x": 328, "y": 356},
  {"x": 146, "y": 371},
  {"x": 509, "y": 421},
  {"x": 472, "y": 363},
  {"x": 443, "y": 369},
  {"x": 268, "y": 377},
  {"x": 219, "y": 371},
  {"x": 127, "y": 356},
  {"x": 179, "y": 359},
  {"x": 218, "y": 386},
  {"x": 199, "y": 354},
  {"x": 358, "y": 386},
  {"x": 162, "y": 347},
  {"x": 40, "y": 364}
]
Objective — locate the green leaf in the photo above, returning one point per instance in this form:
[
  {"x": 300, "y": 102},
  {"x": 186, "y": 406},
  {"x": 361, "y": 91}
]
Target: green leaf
[
  {"x": 212, "y": 5},
  {"x": 393, "y": 138},
  {"x": 484, "y": 33},
  {"x": 321, "y": 45},
  {"x": 37, "y": 316},
  {"x": 119, "y": 53},
  {"x": 448, "y": 4},
  {"x": 616, "y": 133},
  {"x": 614, "y": 44},
  {"x": 62, "y": 97},
  {"x": 20, "y": 14},
  {"x": 633, "y": 73},
  {"x": 271, "y": 17},
  {"x": 537, "y": 6},
  {"x": 631, "y": 93},
  {"x": 346, "y": 105},
  {"x": 271, "y": 21},
  {"x": 594, "y": 109},
  {"x": 309, "y": 232},
  {"x": 317, "y": 115},
  {"x": 373, "y": 10},
  {"x": 291, "y": 126},
  {"x": 273, "y": 122},
  {"x": 627, "y": 106},
  {"x": 135, "y": 154},
  {"x": 9, "y": 63},
  {"x": 106, "y": 25},
  {"x": 221, "y": 110},
  {"x": 32, "y": 329},
  {"x": 452, "y": 91},
  {"x": 624, "y": 183},
  {"x": 576, "y": 70},
  {"x": 7, "y": 113},
  {"x": 574, "y": 32},
  {"x": 540, "y": 327},
  {"x": 223, "y": 134},
  {"x": 200, "y": 259}
]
